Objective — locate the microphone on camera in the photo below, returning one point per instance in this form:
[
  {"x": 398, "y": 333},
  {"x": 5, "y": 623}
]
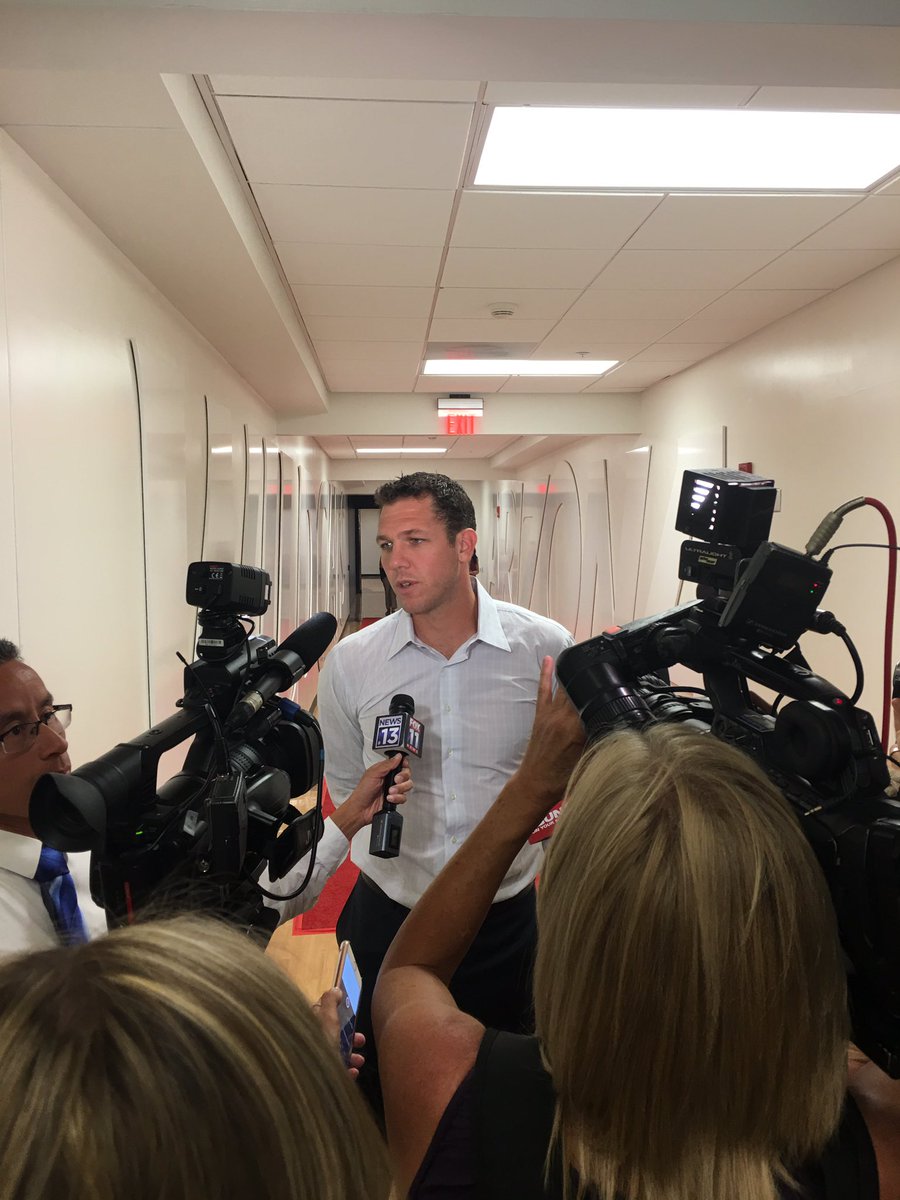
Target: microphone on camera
[
  {"x": 397, "y": 733},
  {"x": 290, "y": 662}
]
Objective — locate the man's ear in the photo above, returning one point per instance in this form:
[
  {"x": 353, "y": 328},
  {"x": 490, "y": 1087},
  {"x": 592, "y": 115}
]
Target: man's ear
[{"x": 466, "y": 541}]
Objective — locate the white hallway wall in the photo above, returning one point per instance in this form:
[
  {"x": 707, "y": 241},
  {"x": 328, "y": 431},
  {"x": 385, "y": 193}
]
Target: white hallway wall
[{"x": 73, "y": 587}]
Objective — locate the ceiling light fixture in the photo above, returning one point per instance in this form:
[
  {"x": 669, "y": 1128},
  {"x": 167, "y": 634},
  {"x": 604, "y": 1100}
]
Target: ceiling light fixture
[
  {"x": 518, "y": 366},
  {"x": 741, "y": 149},
  {"x": 401, "y": 450}
]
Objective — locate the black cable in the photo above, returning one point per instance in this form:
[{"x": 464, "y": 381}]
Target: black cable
[
  {"x": 857, "y": 662},
  {"x": 209, "y": 708},
  {"x": 312, "y": 852},
  {"x": 855, "y": 546}
]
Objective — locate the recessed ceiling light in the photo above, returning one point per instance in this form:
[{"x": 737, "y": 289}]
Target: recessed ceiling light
[
  {"x": 518, "y": 366},
  {"x": 676, "y": 148},
  {"x": 401, "y": 450}
]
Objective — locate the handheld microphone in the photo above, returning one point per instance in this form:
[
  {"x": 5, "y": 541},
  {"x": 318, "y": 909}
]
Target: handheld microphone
[
  {"x": 287, "y": 664},
  {"x": 397, "y": 733}
]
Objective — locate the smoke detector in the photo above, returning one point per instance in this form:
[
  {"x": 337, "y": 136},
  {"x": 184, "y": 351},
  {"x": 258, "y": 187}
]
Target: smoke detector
[{"x": 501, "y": 310}]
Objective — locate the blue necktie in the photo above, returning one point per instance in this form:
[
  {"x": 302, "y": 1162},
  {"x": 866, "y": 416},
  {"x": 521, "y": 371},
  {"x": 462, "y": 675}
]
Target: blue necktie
[{"x": 60, "y": 898}]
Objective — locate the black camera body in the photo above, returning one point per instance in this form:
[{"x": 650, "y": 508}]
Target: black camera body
[
  {"x": 203, "y": 839},
  {"x": 821, "y": 750}
]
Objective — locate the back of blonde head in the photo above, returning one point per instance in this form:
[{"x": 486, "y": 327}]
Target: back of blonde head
[
  {"x": 688, "y": 988},
  {"x": 173, "y": 1061}
]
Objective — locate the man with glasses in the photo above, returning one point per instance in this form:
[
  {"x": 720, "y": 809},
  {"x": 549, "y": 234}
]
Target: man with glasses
[{"x": 38, "y": 902}]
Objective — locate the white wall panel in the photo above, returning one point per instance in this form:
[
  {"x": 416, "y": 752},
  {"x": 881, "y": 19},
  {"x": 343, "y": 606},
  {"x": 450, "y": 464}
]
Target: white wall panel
[
  {"x": 72, "y": 507},
  {"x": 271, "y": 533},
  {"x": 78, "y": 569},
  {"x": 225, "y": 484},
  {"x": 9, "y": 600},
  {"x": 369, "y": 556},
  {"x": 289, "y": 612},
  {"x": 252, "y": 541},
  {"x": 627, "y": 471},
  {"x": 506, "y": 559}
]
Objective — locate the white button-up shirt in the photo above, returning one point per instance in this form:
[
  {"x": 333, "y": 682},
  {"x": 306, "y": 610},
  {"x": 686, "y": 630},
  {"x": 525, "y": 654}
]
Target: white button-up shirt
[
  {"x": 25, "y": 923},
  {"x": 477, "y": 708}
]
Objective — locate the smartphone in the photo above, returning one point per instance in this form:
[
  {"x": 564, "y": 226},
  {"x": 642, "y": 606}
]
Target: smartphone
[{"x": 348, "y": 979}]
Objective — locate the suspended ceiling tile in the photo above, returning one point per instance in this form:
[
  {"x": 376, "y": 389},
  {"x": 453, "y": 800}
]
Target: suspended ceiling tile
[
  {"x": 435, "y": 441},
  {"x": 364, "y": 266},
  {"x": 595, "y": 347},
  {"x": 683, "y": 269},
  {"x": 345, "y": 89},
  {"x": 609, "y": 385},
  {"x": 481, "y": 445},
  {"x": 757, "y": 303},
  {"x": 529, "y": 303},
  {"x": 361, "y": 216},
  {"x": 534, "y": 220},
  {"x": 817, "y": 268},
  {"x": 375, "y": 377},
  {"x": 348, "y": 143},
  {"x": 367, "y": 329},
  {"x": 397, "y": 354},
  {"x": 620, "y": 95},
  {"x": 874, "y": 224},
  {"x": 736, "y": 222},
  {"x": 622, "y": 305},
  {"x": 467, "y": 267},
  {"x": 519, "y": 386},
  {"x": 702, "y": 328},
  {"x": 336, "y": 445},
  {"x": 453, "y": 329},
  {"x": 827, "y": 99},
  {"x": 441, "y": 385},
  {"x": 386, "y": 441},
  {"x": 495, "y": 349},
  {"x": 635, "y": 375},
  {"x": 570, "y": 333},
  {"x": 682, "y": 353},
  {"x": 336, "y": 301}
]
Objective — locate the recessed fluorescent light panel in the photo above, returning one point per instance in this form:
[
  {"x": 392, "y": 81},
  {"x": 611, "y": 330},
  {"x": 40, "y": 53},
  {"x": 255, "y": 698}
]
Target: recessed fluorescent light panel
[
  {"x": 740, "y": 149},
  {"x": 518, "y": 366},
  {"x": 401, "y": 450}
]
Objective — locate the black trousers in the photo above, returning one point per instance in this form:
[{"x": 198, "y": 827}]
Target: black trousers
[{"x": 492, "y": 983}]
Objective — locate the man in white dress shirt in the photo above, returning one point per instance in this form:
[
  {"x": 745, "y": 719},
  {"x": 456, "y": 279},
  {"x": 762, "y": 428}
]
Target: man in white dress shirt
[
  {"x": 472, "y": 666},
  {"x": 32, "y": 742}
]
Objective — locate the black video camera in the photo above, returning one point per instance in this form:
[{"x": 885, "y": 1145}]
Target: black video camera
[
  {"x": 204, "y": 838},
  {"x": 821, "y": 750}
]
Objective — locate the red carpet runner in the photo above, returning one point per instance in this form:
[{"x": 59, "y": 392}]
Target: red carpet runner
[{"x": 322, "y": 917}]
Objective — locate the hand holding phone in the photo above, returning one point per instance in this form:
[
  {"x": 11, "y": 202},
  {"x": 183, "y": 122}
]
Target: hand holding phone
[{"x": 348, "y": 981}]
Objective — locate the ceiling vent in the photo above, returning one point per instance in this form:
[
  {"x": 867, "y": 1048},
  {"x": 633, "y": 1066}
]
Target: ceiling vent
[{"x": 502, "y": 311}]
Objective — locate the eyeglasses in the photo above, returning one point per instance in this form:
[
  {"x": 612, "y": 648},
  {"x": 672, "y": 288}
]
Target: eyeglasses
[{"x": 22, "y": 737}]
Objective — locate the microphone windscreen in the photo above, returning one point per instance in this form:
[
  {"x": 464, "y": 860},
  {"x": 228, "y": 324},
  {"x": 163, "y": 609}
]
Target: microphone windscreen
[
  {"x": 312, "y": 638},
  {"x": 402, "y": 704}
]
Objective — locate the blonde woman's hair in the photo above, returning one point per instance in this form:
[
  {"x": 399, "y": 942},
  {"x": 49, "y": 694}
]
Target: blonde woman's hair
[
  {"x": 173, "y": 1061},
  {"x": 689, "y": 992}
]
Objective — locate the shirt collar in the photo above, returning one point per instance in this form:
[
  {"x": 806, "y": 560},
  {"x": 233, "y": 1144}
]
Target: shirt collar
[
  {"x": 19, "y": 854},
  {"x": 489, "y": 629}
]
